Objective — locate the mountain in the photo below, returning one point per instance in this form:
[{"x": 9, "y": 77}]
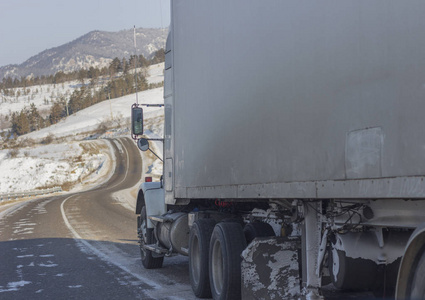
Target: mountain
[{"x": 96, "y": 48}]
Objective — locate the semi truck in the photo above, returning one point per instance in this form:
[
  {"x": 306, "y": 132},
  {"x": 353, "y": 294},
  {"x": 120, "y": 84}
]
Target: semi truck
[{"x": 293, "y": 149}]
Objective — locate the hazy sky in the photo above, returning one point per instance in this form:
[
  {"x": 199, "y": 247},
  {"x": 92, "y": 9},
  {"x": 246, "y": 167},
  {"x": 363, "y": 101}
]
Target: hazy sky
[{"x": 28, "y": 27}]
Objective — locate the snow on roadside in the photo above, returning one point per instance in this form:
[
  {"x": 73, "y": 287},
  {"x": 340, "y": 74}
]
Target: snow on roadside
[{"x": 50, "y": 165}]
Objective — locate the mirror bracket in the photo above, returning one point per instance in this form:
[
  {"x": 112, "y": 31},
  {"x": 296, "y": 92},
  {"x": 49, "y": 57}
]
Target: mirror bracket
[{"x": 143, "y": 145}]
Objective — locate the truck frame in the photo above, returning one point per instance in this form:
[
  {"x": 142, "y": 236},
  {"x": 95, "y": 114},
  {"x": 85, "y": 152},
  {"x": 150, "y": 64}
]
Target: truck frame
[{"x": 294, "y": 148}]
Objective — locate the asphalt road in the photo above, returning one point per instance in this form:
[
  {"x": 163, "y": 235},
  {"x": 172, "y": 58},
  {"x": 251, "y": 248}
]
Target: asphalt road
[{"x": 84, "y": 245}]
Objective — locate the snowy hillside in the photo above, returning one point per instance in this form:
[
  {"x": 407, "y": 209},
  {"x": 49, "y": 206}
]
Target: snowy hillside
[
  {"x": 71, "y": 161},
  {"x": 43, "y": 96},
  {"x": 117, "y": 110}
]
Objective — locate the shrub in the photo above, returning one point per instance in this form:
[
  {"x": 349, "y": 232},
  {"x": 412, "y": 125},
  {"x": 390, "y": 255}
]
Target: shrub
[
  {"x": 102, "y": 128},
  {"x": 66, "y": 186},
  {"x": 48, "y": 139},
  {"x": 13, "y": 153},
  {"x": 25, "y": 142}
]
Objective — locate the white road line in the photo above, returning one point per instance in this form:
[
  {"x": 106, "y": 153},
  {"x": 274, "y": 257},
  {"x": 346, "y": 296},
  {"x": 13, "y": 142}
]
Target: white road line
[
  {"x": 127, "y": 167},
  {"x": 100, "y": 254}
]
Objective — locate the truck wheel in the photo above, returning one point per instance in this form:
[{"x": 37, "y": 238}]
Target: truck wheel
[
  {"x": 417, "y": 287},
  {"x": 199, "y": 245},
  {"x": 257, "y": 229},
  {"x": 146, "y": 237},
  {"x": 226, "y": 246}
]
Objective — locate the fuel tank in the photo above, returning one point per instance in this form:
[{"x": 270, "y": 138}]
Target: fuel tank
[{"x": 173, "y": 233}]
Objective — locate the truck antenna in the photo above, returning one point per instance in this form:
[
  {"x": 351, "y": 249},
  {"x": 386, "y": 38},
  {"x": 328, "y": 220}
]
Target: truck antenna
[
  {"x": 135, "y": 64},
  {"x": 160, "y": 8}
]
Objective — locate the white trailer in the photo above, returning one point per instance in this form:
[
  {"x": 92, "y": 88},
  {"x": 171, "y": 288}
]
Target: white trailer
[{"x": 294, "y": 135}]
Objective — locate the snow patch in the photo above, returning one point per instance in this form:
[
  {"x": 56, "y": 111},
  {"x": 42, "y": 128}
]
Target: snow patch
[
  {"x": 24, "y": 256},
  {"x": 14, "y": 286},
  {"x": 48, "y": 265}
]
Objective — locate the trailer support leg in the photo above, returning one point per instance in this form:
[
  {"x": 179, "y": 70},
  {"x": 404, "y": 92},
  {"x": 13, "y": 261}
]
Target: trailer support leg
[{"x": 313, "y": 240}]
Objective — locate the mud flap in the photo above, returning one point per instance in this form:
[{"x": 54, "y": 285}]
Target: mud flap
[{"x": 270, "y": 269}]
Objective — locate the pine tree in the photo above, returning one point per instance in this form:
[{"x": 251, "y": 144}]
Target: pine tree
[
  {"x": 34, "y": 118},
  {"x": 20, "y": 123},
  {"x": 115, "y": 66},
  {"x": 125, "y": 66},
  {"x": 56, "y": 113},
  {"x": 158, "y": 57}
]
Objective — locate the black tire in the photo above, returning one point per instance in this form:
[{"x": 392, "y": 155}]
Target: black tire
[
  {"x": 199, "y": 245},
  {"x": 417, "y": 286},
  {"x": 257, "y": 229},
  {"x": 146, "y": 237},
  {"x": 226, "y": 246}
]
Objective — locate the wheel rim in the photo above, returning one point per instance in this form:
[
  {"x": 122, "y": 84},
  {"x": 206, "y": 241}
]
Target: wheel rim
[
  {"x": 142, "y": 237},
  {"x": 217, "y": 267},
  {"x": 195, "y": 259}
]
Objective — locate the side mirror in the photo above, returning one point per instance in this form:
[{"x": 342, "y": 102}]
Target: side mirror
[
  {"x": 136, "y": 121},
  {"x": 143, "y": 144}
]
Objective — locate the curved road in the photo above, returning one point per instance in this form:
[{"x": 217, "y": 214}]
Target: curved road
[{"x": 84, "y": 245}]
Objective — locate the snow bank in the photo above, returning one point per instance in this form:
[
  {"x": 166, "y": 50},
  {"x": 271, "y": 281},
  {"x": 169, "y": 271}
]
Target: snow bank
[{"x": 49, "y": 165}]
